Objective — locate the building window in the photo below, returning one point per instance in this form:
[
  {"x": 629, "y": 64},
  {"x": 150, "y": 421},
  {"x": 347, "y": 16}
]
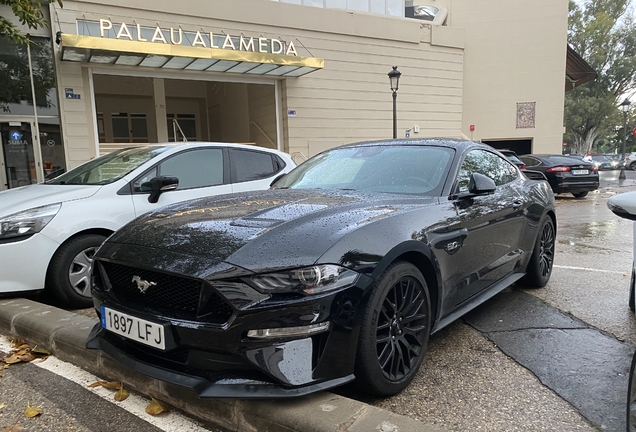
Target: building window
[
  {"x": 182, "y": 126},
  {"x": 129, "y": 127}
]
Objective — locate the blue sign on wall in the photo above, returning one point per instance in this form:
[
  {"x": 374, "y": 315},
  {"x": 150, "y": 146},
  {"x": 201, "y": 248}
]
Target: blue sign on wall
[{"x": 16, "y": 136}]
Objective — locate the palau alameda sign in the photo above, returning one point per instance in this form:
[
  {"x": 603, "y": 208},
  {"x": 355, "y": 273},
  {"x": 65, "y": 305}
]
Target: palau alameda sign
[{"x": 119, "y": 43}]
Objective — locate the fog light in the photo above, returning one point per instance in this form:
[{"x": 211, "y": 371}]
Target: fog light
[{"x": 289, "y": 331}]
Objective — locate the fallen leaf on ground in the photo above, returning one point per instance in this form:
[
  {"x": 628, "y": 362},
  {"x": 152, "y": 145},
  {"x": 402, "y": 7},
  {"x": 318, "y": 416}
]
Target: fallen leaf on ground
[
  {"x": 14, "y": 428},
  {"x": 32, "y": 412},
  {"x": 25, "y": 358},
  {"x": 11, "y": 359},
  {"x": 157, "y": 407},
  {"x": 121, "y": 394},
  {"x": 2, "y": 405},
  {"x": 113, "y": 385},
  {"x": 16, "y": 342}
]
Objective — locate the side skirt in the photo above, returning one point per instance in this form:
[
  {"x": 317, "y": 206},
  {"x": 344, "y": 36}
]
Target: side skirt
[{"x": 480, "y": 298}]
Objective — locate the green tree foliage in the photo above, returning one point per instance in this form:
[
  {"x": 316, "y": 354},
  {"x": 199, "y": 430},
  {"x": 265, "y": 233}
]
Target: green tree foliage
[
  {"x": 28, "y": 12},
  {"x": 603, "y": 32},
  {"x": 14, "y": 62}
]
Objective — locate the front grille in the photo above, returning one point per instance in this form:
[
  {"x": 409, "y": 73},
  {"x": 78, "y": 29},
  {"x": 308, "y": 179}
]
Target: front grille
[{"x": 172, "y": 296}]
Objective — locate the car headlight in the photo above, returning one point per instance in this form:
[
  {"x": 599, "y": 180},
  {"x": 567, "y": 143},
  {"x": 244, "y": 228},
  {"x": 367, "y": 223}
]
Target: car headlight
[
  {"x": 307, "y": 280},
  {"x": 28, "y": 222}
]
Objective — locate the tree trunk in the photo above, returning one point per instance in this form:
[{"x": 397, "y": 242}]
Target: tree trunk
[{"x": 583, "y": 142}]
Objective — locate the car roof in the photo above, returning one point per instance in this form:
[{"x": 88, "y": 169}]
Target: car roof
[
  {"x": 546, "y": 155},
  {"x": 197, "y": 144},
  {"x": 455, "y": 143}
]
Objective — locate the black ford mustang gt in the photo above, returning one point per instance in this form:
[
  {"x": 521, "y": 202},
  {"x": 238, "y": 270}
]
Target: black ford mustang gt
[{"x": 340, "y": 271}]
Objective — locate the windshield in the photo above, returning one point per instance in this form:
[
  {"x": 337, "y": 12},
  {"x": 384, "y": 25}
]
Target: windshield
[
  {"x": 396, "y": 169},
  {"x": 108, "y": 168}
]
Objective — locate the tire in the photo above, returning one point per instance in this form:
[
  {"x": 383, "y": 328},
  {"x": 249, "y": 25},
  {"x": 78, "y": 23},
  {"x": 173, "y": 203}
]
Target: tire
[
  {"x": 540, "y": 265},
  {"x": 395, "y": 331},
  {"x": 632, "y": 166},
  {"x": 631, "y": 397},
  {"x": 579, "y": 194},
  {"x": 68, "y": 277},
  {"x": 632, "y": 291}
]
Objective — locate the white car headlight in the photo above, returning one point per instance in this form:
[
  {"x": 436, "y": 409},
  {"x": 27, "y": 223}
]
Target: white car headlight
[{"x": 28, "y": 222}]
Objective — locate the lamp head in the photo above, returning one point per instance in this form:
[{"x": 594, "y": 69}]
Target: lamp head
[
  {"x": 624, "y": 106},
  {"x": 394, "y": 78}
]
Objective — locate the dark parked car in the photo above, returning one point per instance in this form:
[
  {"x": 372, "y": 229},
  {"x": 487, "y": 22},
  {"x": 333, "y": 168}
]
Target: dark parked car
[
  {"x": 341, "y": 271},
  {"x": 566, "y": 174}
]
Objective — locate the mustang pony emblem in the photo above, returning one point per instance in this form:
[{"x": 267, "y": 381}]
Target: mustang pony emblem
[{"x": 142, "y": 285}]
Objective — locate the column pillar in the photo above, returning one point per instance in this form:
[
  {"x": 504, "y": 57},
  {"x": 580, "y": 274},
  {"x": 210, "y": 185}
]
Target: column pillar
[{"x": 160, "y": 109}]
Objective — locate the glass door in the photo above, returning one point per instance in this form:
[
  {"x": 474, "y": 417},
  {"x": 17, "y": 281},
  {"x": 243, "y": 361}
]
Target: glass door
[{"x": 19, "y": 158}]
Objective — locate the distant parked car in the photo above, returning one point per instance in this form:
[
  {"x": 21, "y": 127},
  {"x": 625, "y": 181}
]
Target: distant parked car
[
  {"x": 512, "y": 157},
  {"x": 565, "y": 174},
  {"x": 50, "y": 231},
  {"x": 630, "y": 161},
  {"x": 601, "y": 162}
]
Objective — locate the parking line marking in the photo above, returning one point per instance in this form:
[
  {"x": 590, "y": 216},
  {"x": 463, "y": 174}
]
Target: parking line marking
[
  {"x": 589, "y": 269},
  {"x": 135, "y": 404}
]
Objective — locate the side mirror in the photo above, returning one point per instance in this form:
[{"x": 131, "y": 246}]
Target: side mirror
[
  {"x": 159, "y": 185},
  {"x": 623, "y": 205},
  {"x": 534, "y": 175},
  {"x": 480, "y": 184}
]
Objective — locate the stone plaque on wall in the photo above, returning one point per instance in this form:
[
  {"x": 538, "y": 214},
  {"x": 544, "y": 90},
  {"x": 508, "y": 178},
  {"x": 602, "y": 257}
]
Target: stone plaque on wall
[{"x": 525, "y": 114}]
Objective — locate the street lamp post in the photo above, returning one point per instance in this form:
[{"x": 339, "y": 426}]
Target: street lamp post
[
  {"x": 625, "y": 108},
  {"x": 394, "y": 78}
]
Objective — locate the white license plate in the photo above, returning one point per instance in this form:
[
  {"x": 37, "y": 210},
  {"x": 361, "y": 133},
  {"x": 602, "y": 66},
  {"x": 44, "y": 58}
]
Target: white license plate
[
  {"x": 133, "y": 328},
  {"x": 580, "y": 172}
]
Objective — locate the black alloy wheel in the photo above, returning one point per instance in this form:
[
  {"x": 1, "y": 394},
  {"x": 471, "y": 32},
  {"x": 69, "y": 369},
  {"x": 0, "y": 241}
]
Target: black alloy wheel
[
  {"x": 540, "y": 265},
  {"x": 395, "y": 331},
  {"x": 546, "y": 250}
]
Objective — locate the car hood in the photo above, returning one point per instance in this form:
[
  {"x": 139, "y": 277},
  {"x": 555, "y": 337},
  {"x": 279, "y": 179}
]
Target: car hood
[
  {"x": 37, "y": 195},
  {"x": 264, "y": 229}
]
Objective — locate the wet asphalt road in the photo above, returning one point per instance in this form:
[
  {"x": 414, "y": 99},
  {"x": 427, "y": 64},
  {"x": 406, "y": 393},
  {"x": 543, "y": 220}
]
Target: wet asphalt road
[{"x": 550, "y": 359}]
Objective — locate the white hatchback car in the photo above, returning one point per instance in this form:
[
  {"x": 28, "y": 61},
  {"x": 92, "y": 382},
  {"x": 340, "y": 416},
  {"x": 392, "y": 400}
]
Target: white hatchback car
[{"x": 50, "y": 231}]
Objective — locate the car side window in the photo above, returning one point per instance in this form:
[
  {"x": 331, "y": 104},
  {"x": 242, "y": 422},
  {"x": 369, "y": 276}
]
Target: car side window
[
  {"x": 250, "y": 165},
  {"x": 488, "y": 164},
  {"x": 530, "y": 161},
  {"x": 195, "y": 168},
  {"x": 141, "y": 184}
]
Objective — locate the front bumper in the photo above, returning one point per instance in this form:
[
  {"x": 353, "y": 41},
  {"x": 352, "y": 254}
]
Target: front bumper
[
  {"x": 23, "y": 263},
  {"x": 215, "y": 357},
  {"x": 228, "y": 387}
]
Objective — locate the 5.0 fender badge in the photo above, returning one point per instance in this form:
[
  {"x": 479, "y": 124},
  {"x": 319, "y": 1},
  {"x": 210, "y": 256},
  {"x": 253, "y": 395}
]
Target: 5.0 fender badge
[{"x": 142, "y": 285}]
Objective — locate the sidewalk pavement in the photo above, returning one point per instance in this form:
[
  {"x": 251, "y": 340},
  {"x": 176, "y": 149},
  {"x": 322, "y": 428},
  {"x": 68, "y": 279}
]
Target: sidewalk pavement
[{"x": 64, "y": 334}]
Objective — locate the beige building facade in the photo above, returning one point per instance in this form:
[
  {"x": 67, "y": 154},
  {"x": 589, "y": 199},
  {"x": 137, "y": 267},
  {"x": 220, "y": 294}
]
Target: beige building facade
[{"x": 298, "y": 75}]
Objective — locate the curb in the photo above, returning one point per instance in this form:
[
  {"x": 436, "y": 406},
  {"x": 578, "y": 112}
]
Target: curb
[{"x": 64, "y": 334}]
